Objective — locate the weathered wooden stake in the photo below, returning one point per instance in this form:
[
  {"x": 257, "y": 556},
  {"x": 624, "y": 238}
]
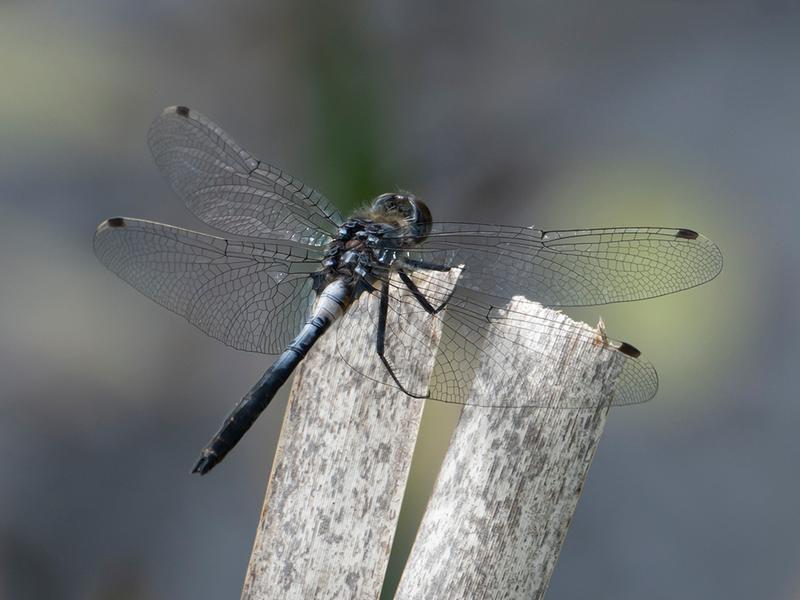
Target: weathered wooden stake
[
  {"x": 511, "y": 478},
  {"x": 339, "y": 472}
]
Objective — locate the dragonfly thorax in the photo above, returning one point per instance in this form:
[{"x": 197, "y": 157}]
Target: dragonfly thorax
[{"x": 358, "y": 250}]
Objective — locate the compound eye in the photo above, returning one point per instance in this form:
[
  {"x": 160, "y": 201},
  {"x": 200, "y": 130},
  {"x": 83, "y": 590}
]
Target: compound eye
[
  {"x": 401, "y": 204},
  {"x": 412, "y": 210},
  {"x": 388, "y": 203},
  {"x": 422, "y": 221}
]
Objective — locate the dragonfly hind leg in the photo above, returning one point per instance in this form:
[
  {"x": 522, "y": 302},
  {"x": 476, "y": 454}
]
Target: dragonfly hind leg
[{"x": 423, "y": 301}]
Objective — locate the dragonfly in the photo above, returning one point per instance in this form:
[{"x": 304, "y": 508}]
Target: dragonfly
[{"x": 292, "y": 266}]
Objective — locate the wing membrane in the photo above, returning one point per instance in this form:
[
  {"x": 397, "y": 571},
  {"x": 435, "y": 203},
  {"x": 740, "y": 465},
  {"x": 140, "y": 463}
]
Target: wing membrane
[
  {"x": 251, "y": 296},
  {"x": 231, "y": 190},
  {"x": 579, "y": 267}
]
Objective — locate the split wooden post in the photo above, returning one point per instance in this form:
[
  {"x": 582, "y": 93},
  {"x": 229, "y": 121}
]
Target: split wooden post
[
  {"x": 340, "y": 470},
  {"x": 511, "y": 478}
]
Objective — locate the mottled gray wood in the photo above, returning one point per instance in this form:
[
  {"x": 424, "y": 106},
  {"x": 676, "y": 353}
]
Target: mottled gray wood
[
  {"x": 340, "y": 469},
  {"x": 511, "y": 478}
]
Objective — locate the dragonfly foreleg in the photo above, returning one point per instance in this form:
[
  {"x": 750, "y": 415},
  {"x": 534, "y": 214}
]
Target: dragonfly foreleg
[
  {"x": 423, "y": 301},
  {"x": 425, "y": 265}
]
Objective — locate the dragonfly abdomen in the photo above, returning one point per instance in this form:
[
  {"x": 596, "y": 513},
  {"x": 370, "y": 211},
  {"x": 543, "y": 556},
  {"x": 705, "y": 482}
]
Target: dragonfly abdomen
[{"x": 332, "y": 302}]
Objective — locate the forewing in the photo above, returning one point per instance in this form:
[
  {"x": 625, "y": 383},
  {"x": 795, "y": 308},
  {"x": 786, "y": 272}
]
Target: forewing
[
  {"x": 231, "y": 190},
  {"x": 578, "y": 267},
  {"x": 251, "y": 296},
  {"x": 478, "y": 336}
]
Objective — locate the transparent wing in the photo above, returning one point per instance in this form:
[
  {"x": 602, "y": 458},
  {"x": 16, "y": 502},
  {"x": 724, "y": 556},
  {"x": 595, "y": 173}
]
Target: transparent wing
[
  {"x": 478, "y": 336},
  {"x": 577, "y": 267},
  {"x": 251, "y": 296},
  {"x": 231, "y": 190}
]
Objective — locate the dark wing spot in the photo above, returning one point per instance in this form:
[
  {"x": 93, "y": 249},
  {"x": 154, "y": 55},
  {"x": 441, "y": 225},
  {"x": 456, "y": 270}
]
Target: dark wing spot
[
  {"x": 116, "y": 222},
  {"x": 687, "y": 234},
  {"x": 183, "y": 111},
  {"x": 629, "y": 350}
]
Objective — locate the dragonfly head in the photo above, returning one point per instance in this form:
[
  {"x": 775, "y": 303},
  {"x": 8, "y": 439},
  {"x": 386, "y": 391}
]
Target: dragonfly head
[{"x": 410, "y": 209}]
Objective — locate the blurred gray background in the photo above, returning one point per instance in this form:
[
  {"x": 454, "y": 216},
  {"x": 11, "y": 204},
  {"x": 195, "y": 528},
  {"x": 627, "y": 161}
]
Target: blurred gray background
[{"x": 560, "y": 114}]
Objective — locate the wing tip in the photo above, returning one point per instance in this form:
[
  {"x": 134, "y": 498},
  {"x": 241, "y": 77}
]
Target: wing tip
[
  {"x": 177, "y": 109},
  {"x": 112, "y": 223},
  {"x": 714, "y": 256},
  {"x": 687, "y": 234},
  {"x": 628, "y": 349},
  {"x": 115, "y": 222}
]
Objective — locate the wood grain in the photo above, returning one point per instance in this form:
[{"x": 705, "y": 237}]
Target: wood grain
[
  {"x": 511, "y": 478},
  {"x": 341, "y": 466}
]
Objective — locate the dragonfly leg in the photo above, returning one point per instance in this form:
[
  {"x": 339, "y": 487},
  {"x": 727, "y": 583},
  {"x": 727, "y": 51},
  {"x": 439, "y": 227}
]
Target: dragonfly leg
[
  {"x": 423, "y": 301},
  {"x": 423, "y": 264},
  {"x": 380, "y": 339}
]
